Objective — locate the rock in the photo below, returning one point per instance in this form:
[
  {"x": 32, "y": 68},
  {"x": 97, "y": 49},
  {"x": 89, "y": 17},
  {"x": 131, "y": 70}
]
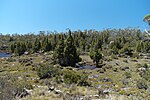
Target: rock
[
  {"x": 26, "y": 53},
  {"x": 81, "y": 63},
  {"x": 51, "y": 88},
  {"x": 107, "y": 80},
  {"x": 106, "y": 92},
  {"x": 22, "y": 93},
  {"x": 115, "y": 69},
  {"x": 28, "y": 64},
  {"x": 146, "y": 57},
  {"x": 94, "y": 76},
  {"x": 108, "y": 66},
  {"x": 101, "y": 70},
  {"x": 58, "y": 91},
  {"x": 69, "y": 68},
  {"x": 103, "y": 92},
  {"x": 124, "y": 68},
  {"x": 77, "y": 65},
  {"x": 46, "y": 58},
  {"x": 142, "y": 69},
  {"x": 133, "y": 60}
]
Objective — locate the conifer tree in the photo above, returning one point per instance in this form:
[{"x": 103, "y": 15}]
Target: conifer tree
[
  {"x": 46, "y": 45},
  {"x": 18, "y": 49},
  {"x": 70, "y": 51},
  {"x": 37, "y": 45},
  {"x": 96, "y": 55},
  {"x": 28, "y": 45},
  {"x": 140, "y": 47},
  {"x": 59, "y": 52},
  {"x": 12, "y": 48}
]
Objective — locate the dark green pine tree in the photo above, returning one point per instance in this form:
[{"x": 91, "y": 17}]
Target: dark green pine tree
[
  {"x": 46, "y": 45},
  {"x": 140, "y": 47},
  {"x": 37, "y": 45},
  {"x": 12, "y": 48},
  {"x": 70, "y": 51},
  {"x": 147, "y": 47},
  {"x": 28, "y": 45},
  {"x": 59, "y": 53},
  {"x": 100, "y": 42},
  {"x": 23, "y": 48},
  {"x": 95, "y": 55},
  {"x": 18, "y": 48}
]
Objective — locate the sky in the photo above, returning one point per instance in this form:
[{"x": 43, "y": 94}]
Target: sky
[{"x": 25, "y": 16}]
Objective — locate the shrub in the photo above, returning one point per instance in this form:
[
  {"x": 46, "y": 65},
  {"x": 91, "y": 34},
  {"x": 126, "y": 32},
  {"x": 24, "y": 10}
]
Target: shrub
[
  {"x": 11, "y": 87},
  {"x": 84, "y": 80},
  {"x": 66, "y": 53},
  {"x": 145, "y": 65},
  {"x": 96, "y": 56},
  {"x": 47, "y": 71},
  {"x": 11, "y": 59},
  {"x": 114, "y": 56},
  {"x": 75, "y": 77},
  {"x": 141, "y": 84},
  {"x": 146, "y": 75},
  {"x": 135, "y": 55},
  {"x": 127, "y": 75},
  {"x": 71, "y": 77}
]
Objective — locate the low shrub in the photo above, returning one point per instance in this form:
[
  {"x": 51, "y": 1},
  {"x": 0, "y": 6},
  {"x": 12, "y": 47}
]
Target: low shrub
[
  {"x": 84, "y": 80},
  {"x": 47, "y": 71},
  {"x": 127, "y": 74},
  {"x": 114, "y": 56},
  {"x": 146, "y": 75},
  {"x": 141, "y": 84},
  {"x": 71, "y": 76}
]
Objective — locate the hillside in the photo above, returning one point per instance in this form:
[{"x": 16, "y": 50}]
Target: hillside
[{"x": 106, "y": 65}]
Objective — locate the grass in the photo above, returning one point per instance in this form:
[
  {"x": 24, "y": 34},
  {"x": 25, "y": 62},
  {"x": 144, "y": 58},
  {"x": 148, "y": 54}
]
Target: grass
[{"x": 20, "y": 75}]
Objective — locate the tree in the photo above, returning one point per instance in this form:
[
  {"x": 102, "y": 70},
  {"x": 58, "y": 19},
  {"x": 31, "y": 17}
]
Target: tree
[
  {"x": 59, "y": 52},
  {"x": 126, "y": 49},
  {"x": 147, "y": 46},
  {"x": 28, "y": 45},
  {"x": 20, "y": 48},
  {"x": 66, "y": 54},
  {"x": 70, "y": 51},
  {"x": 96, "y": 55},
  {"x": 12, "y": 47},
  {"x": 147, "y": 19},
  {"x": 46, "y": 44},
  {"x": 140, "y": 47},
  {"x": 37, "y": 45}
]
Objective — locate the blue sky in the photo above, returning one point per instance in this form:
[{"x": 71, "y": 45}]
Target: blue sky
[{"x": 24, "y": 16}]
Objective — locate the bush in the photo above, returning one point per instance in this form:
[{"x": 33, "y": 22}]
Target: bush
[
  {"x": 10, "y": 88},
  {"x": 146, "y": 75},
  {"x": 75, "y": 77},
  {"x": 96, "y": 56},
  {"x": 84, "y": 80},
  {"x": 71, "y": 77},
  {"x": 11, "y": 59},
  {"x": 127, "y": 75},
  {"x": 141, "y": 84},
  {"x": 135, "y": 55},
  {"x": 47, "y": 71},
  {"x": 114, "y": 56},
  {"x": 145, "y": 66}
]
